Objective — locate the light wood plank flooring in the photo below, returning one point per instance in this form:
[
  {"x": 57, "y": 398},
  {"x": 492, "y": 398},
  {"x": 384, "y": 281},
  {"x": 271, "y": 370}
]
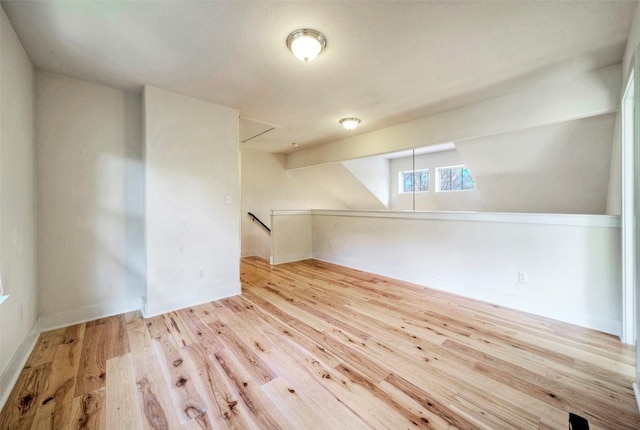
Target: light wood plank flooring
[{"x": 311, "y": 345}]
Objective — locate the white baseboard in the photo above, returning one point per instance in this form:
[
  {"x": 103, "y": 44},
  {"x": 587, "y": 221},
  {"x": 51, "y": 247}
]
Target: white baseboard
[
  {"x": 254, "y": 253},
  {"x": 548, "y": 310},
  {"x": 636, "y": 392},
  {"x": 89, "y": 313},
  {"x": 182, "y": 300},
  {"x": 10, "y": 375},
  {"x": 288, "y": 258}
]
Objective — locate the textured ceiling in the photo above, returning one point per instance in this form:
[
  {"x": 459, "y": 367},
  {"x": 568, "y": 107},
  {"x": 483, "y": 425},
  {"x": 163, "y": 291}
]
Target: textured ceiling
[{"x": 385, "y": 62}]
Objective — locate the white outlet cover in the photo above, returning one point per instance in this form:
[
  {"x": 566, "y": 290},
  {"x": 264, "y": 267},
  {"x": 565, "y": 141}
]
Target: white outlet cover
[{"x": 522, "y": 277}]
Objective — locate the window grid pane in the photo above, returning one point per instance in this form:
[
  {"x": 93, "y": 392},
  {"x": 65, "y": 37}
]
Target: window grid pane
[
  {"x": 455, "y": 179},
  {"x": 407, "y": 182},
  {"x": 417, "y": 181},
  {"x": 467, "y": 181},
  {"x": 421, "y": 181}
]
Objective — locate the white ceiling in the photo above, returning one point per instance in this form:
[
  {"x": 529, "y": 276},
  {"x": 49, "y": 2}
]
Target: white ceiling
[{"x": 385, "y": 62}]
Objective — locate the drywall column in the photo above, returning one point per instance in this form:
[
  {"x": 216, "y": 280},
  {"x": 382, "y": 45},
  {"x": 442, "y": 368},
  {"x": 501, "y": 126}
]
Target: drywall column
[
  {"x": 192, "y": 201},
  {"x": 290, "y": 236}
]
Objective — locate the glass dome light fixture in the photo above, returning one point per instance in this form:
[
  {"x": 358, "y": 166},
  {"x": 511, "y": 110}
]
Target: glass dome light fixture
[
  {"x": 306, "y": 44},
  {"x": 350, "y": 123}
]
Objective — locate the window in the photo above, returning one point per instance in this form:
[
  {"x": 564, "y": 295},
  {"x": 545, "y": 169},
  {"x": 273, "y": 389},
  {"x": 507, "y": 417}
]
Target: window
[
  {"x": 418, "y": 177},
  {"x": 454, "y": 178}
]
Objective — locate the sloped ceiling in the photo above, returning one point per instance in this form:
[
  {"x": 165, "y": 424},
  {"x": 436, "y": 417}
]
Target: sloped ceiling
[
  {"x": 340, "y": 183},
  {"x": 385, "y": 62},
  {"x": 374, "y": 173},
  {"x": 560, "y": 168}
]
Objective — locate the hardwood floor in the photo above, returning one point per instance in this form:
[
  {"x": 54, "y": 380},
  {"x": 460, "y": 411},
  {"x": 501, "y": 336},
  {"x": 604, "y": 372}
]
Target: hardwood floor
[{"x": 310, "y": 345}]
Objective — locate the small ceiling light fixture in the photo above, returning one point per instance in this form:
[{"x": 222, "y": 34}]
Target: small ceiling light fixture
[
  {"x": 350, "y": 123},
  {"x": 306, "y": 44}
]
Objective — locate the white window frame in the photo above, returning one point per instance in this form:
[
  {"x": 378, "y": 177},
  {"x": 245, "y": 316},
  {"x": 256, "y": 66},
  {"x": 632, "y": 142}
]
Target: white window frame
[
  {"x": 438, "y": 185},
  {"x": 401, "y": 181}
]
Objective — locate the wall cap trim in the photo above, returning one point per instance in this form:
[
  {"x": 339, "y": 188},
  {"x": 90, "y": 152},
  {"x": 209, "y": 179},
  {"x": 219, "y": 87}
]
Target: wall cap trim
[
  {"x": 287, "y": 212},
  {"x": 582, "y": 220}
]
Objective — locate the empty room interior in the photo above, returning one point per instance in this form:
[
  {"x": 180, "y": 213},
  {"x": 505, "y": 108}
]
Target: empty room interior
[{"x": 319, "y": 215}]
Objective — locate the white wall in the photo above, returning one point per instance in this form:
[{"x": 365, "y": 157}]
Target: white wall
[
  {"x": 374, "y": 174},
  {"x": 267, "y": 186},
  {"x": 192, "y": 164},
  {"x": 614, "y": 193},
  {"x": 572, "y": 261},
  {"x": 558, "y": 168},
  {"x": 336, "y": 180},
  {"x": 90, "y": 200},
  {"x": 431, "y": 200},
  {"x": 17, "y": 205},
  {"x": 632, "y": 43}
]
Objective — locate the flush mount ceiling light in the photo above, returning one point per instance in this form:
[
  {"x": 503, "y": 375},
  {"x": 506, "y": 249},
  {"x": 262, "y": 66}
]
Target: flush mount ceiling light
[
  {"x": 306, "y": 44},
  {"x": 350, "y": 123}
]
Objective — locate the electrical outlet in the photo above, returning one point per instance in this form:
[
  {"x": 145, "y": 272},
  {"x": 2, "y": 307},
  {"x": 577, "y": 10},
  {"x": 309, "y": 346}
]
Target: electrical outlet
[
  {"x": 227, "y": 200},
  {"x": 522, "y": 277},
  {"x": 200, "y": 272}
]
